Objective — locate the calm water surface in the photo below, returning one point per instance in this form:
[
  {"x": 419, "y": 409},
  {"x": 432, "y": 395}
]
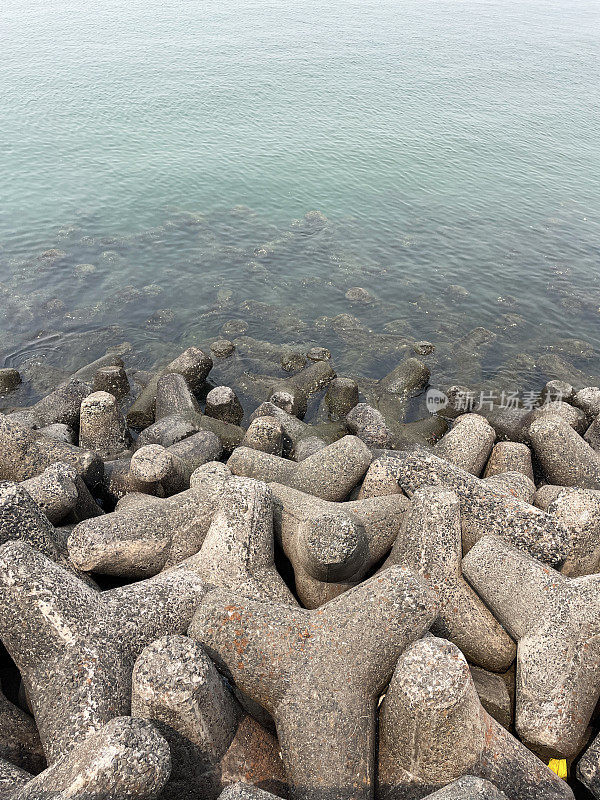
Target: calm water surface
[{"x": 162, "y": 165}]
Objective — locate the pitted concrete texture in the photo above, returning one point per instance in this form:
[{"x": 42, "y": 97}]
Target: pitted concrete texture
[
  {"x": 304, "y": 384},
  {"x": 150, "y": 460},
  {"x": 62, "y": 433},
  {"x": 169, "y": 430},
  {"x": 294, "y": 430},
  {"x": 509, "y": 457},
  {"x": 74, "y": 646},
  {"x": 588, "y": 400},
  {"x": 238, "y": 551},
  {"x": 588, "y": 769},
  {"x": 127, "y": 759},
  {"x": 222, "y": 403},
  {"x": 369, "y": 425},
  {"x": 244, "y": 791},
  {"x": 22, "y": 519},
  {"x": 381, "y": 478},
  {"x": 430, "y": 544},
  {"x": 552, "y": 618},
  {"x": 566, "y": 458},
  {"x": 494, "y": 695},
  {"x": 11, "y": 779},
  {"x": 332, "y": 546},
  {"x": 151, "y": 464},
  {"x": 193, "y": 364},
  {"x": 25, "y": 454},
  {"x": 102, "y": 426},
  {"x": 433, "y": 730},
  {"x": 55, "y": 491},
  {"x": 141, "y": 540},
  {"x": 265, "y": 434},
  {"x": 19, "y": 738},
  {"x": 177, "y": 687},
  {"x": 112, "y": 379},
  {"x": 579, "y": 510},
  {"x": 512, "y": 485},
  {"x": 319, "y": 673},
  {"x": 574, "y": 417},
  {"x": 173, "y": 396},
  {"x": 557, "y": 390},
  {"x": 330, "y": 474},
  {"x": 189, "y": 454},
  {"x": 469, "y": 788},
  {"x": 145, "y": 534},
  {"x": 469, "y": 443},
  {"x": 341, "y": 396},
  {"x": 592, "y": 435},
  {"x": 60, "y": 406},
  {"x": 482, "y": 509}
]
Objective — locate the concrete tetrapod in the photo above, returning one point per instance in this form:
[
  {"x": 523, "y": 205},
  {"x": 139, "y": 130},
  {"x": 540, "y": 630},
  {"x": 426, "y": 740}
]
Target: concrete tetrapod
[
  {"x": 433, "y": 730},
  {"x": 127, "y": 759},
  {"x": 245, "y": 791},
  {"x": 468, "y": 788},
  {"x": 430, "y": 544},
  {"x": 55, "y": 491},
  {"x": 60, "y": 406},
  {"x": 509, "y": 457},
  {"x": 319, "y": 673},
  {"x": 331, "y": 473},
  {"x": 332, "y": 546},
  {"x": 193, "y": 364},
  {"x": 74, "y": 646},
  {"x": 102, "y": 426},
  {"x": 579, "y": 510},
  {"x": 566, "y": 458},
  {"x": 588, "y": 769},
  {"x": 213, "y": 741},
  {"x": 238, "y": 551},
  {"x": 483, "y": 510},
  {"x": 19, "y": 739},
  {"x": 148, "y": 534},
  {"x": 22, "y": 519},
  {"x": 25, "y": 454},
  {"x": 468, "y": 444},
  {"x": 556, "y": 623}
]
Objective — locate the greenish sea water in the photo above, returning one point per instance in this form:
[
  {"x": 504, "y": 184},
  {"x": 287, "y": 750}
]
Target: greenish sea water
[{"x": 180, "y": 151}]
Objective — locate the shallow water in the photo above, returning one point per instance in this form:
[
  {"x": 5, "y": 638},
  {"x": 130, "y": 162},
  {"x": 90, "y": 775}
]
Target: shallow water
[{"x": 451, "y": 148}]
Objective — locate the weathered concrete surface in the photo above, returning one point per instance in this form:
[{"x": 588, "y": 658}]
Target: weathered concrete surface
[
  {"x": 494, "y": 695},
  {"x": 430, "y": 544},
  {"x": 332, "y": 546},
  {"x": 238, "y": 551},
  {"x": 74, "y": 646},
  {"x": 509, "y": 457},
  {"x": 552, "y": 618},
  {"x": 588, "y": 769},
  {"x": 127, "y": 758},
  {"x": 330, "y": 474},
  {"x": 469, "y": 443},
  {"x": 319, "y": 672},
  {"x": 193, "y": 364},
  {"x": 469, "y": 788},
  {"x": 482, "y": 509},
  {"x": 19, "y": 739},
  {"x": 25, "y": 454},
  {"x": 177, "y": 687},
  {"x": 566, "y": 458},
  {"x": 433, "y": 730},
  {"x": 579, "y": 510}
]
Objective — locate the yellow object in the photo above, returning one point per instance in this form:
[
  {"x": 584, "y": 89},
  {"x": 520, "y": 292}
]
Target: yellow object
[{"x": 559, "y": 765}]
